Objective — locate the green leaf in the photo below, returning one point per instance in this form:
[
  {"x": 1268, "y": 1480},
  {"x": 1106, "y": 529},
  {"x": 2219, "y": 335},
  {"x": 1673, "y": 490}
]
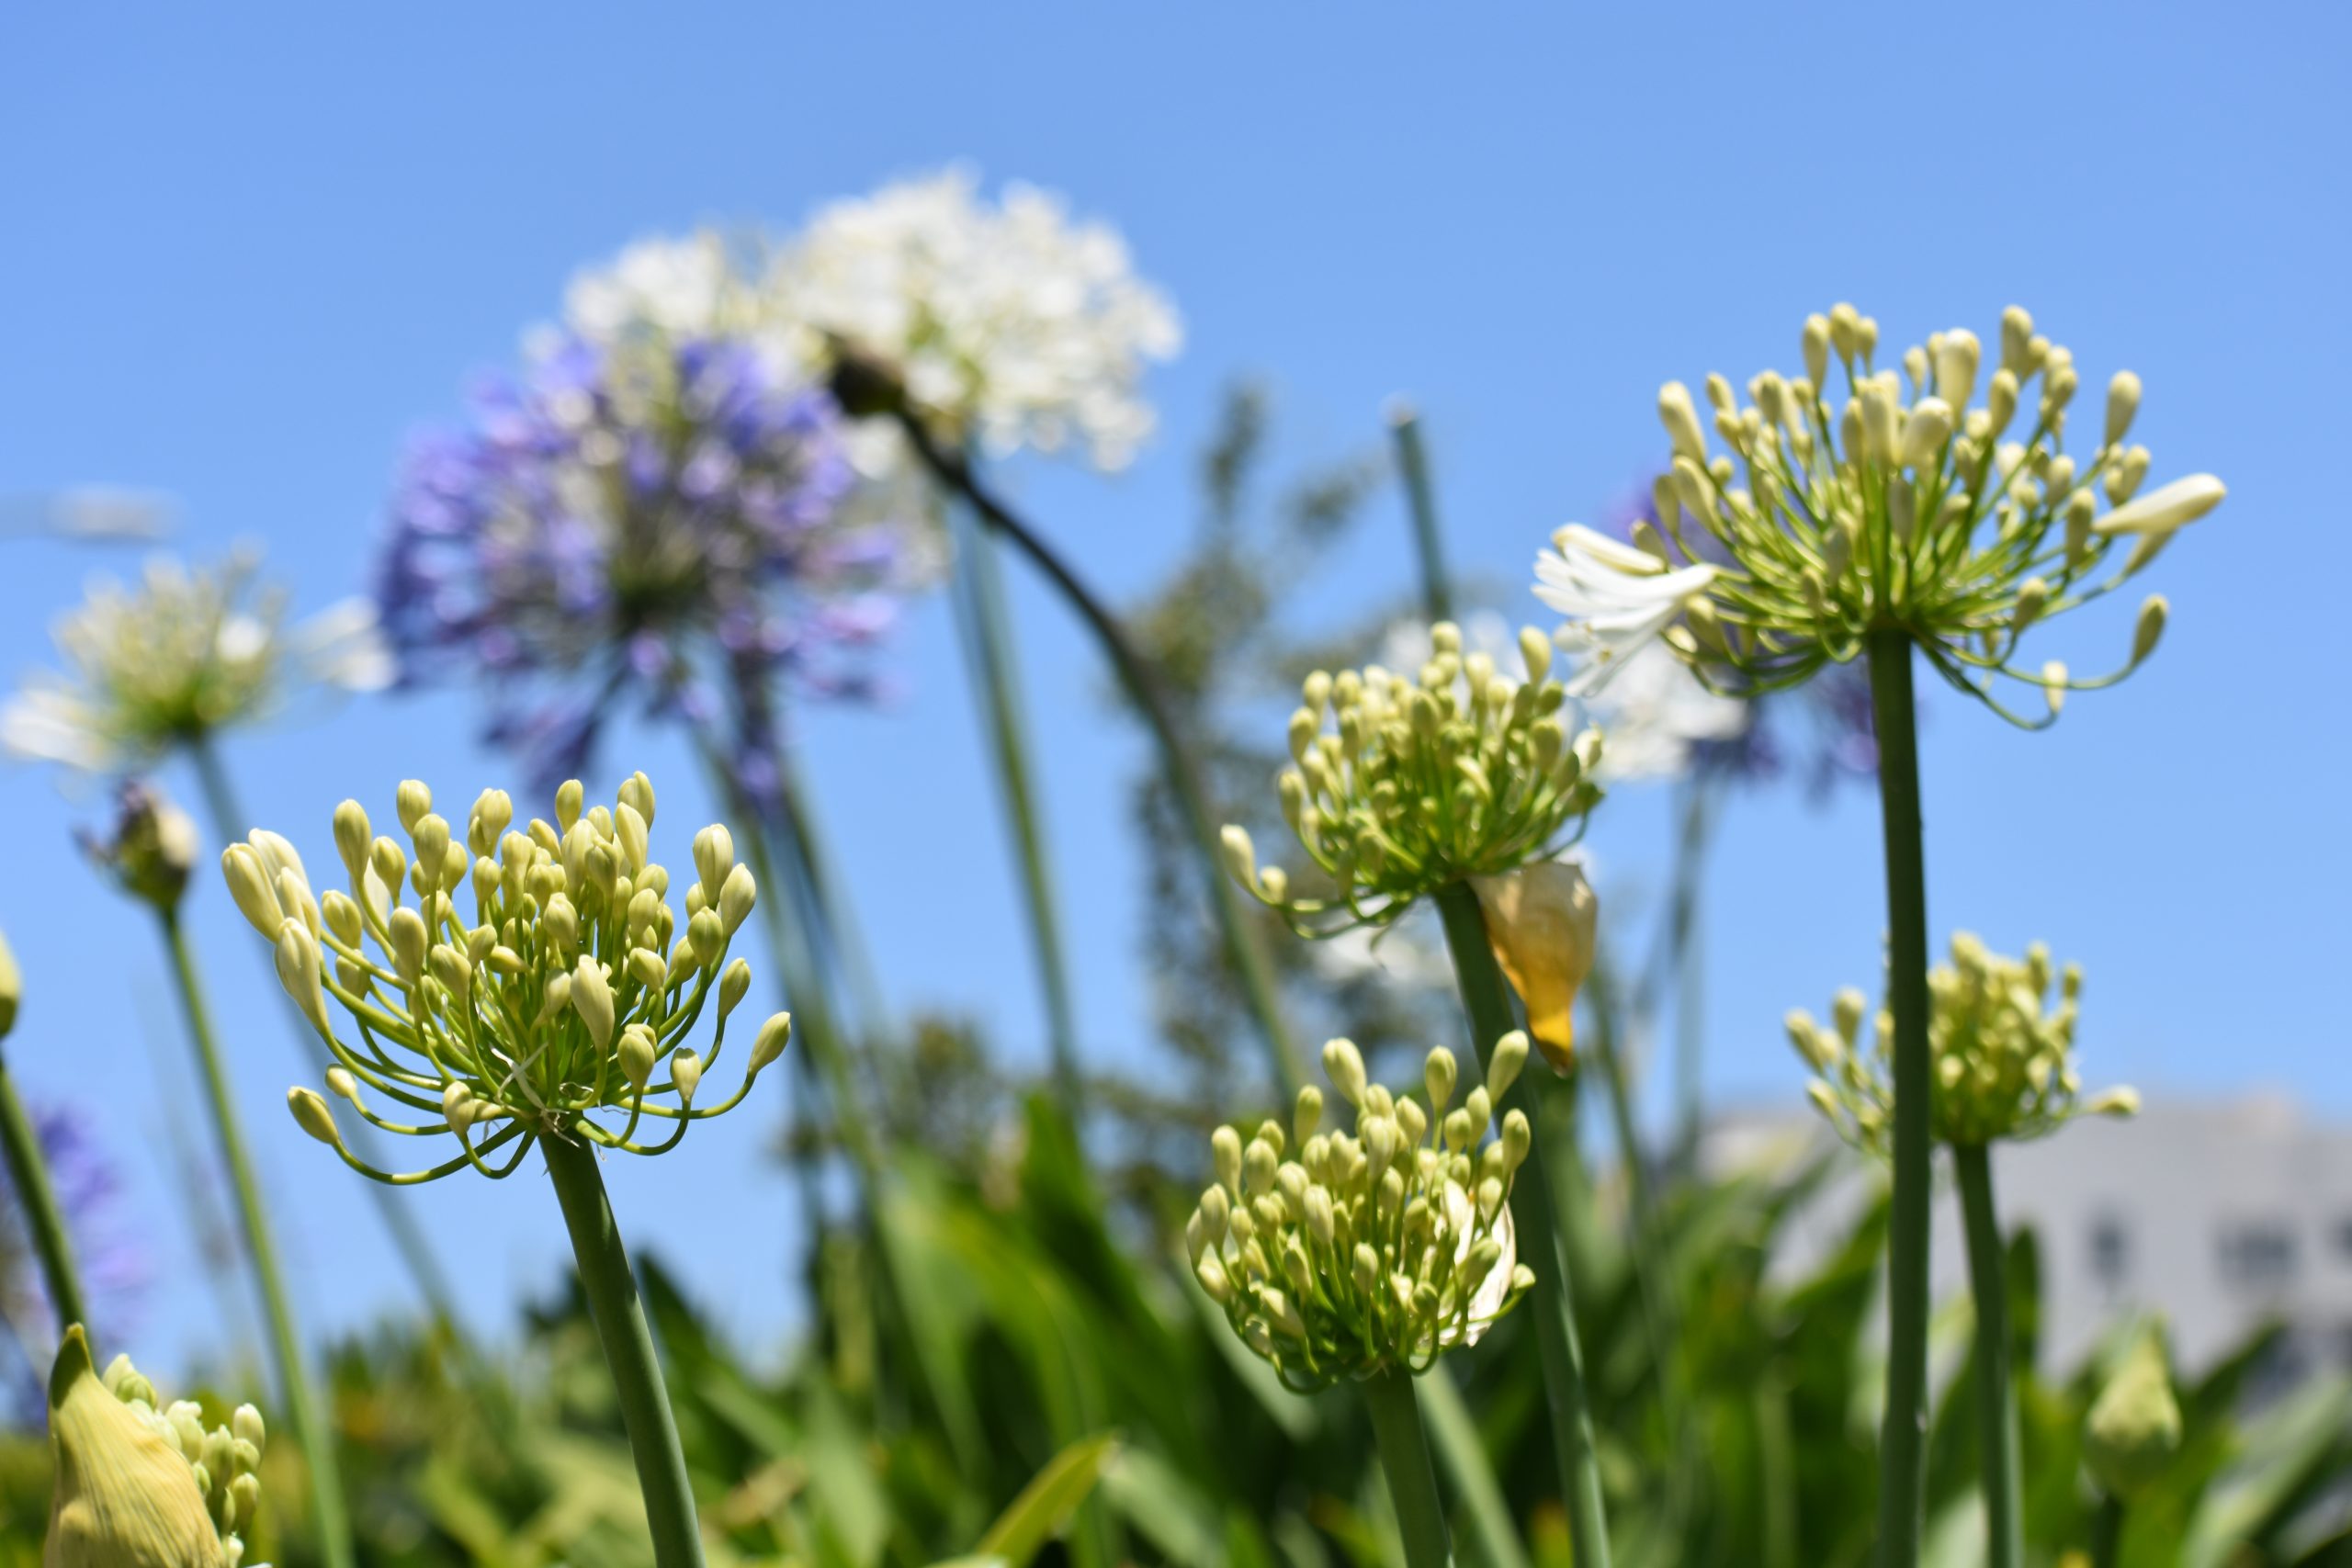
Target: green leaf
[{"x": 1047, "y": 1503}]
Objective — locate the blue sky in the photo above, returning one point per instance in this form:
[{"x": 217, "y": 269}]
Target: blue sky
[{"x": 248, "y": 253}]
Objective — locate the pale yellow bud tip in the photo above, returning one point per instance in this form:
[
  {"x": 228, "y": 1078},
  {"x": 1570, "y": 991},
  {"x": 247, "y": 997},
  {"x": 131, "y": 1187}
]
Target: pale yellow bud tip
[{"x": 311, "y": 1113}]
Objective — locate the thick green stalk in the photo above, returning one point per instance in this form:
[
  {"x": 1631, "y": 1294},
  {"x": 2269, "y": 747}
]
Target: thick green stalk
[
  {"x": 1463, "y": 1454},
  {"x": 1996, "y": 1395},
  {"x": 1142, "y": 685},
  {"x": 28, "y": 1174},
  {"x": 311, "y": 1432},
  {"x": 1486, "y": 999},
  {"x": 996, "y": 687},
  {"x": 619, "y": 1315},
  {"x": 228, "y": 825},
  {"x": 2107, "y": 1533},
  {"x": 1683, "y": 949},
  {"x": 1412, "y": 463},
  {"x": 1902, "y": 1435},
  {"x": 1405, "y": 1459}
]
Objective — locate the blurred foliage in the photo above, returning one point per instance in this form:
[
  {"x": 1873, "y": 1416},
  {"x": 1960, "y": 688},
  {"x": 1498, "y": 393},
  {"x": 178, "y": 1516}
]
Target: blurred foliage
[{"x": 1081, "y": 1401}]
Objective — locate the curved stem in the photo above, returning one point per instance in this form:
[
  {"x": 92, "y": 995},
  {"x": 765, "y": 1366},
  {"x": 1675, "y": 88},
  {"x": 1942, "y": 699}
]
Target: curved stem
[
  {"x": 1902, "y": 1436},
  {"x": 1242, "y": 948},
  {"x": 28, "y": 1174},
  {"x": 311, "y": 1430},
  {"x": 1487, "y": 1000},
  {"x": 1405, "y": 1459},
  {"x": 987, "y": 637},
  {"x": 1996, "y": 1400},
  {"x": 619, "y": 1316},
  {"x": 1454, "y": 1437},
  {"x": 228, "y": 825}
]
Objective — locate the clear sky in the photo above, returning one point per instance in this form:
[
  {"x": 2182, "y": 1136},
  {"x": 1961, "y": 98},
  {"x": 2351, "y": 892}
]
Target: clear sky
[{"x": 249, "y": 249}]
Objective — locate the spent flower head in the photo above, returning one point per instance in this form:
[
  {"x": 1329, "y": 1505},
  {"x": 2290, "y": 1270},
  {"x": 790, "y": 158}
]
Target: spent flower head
[
  {"x": 186, "y": 653},
  {"x": 1880, "y": 499},
  {"x": 142, "y": 1483},
  {"x": 1459, "y": 772},
  {"x": 152, "y": 850},
  {"x": 570, "y": 997},
  {"x": 2001, "y": 1054},
  {"x": 1371, "y": 1250},
  {"x": 654, "y": 518}
]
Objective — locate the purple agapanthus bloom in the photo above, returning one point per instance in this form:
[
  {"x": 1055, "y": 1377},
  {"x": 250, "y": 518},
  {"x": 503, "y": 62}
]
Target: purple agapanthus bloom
[
  {"x": 656, "y": 523},
  {"x": 1837, "y": 738}
]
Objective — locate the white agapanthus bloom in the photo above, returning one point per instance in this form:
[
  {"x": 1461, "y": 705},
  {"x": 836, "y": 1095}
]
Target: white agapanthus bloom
[
  {"x": 1655, "y": 714},
  {"x": 1009, "y": 322},
  {"x": 1615, "y": 599},
  {"x": 186, "y": 652},
  {"x": 688, "y": 286}
]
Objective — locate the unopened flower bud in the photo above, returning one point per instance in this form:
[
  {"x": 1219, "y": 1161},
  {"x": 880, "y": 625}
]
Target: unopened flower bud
[
  {"x": 769, "y": 1043},
  {"x": 250, "y": 886},
  {"x": 2166, "y": 509},
  {"x": 636, "y": 1055},
  {"x": 735, "y": 896},
  {"x": 732, "y": 984},
  {"x": 2122, "y": 403},
  {"x": 297, "y": 971},
  {"x": 592, "y": 998},
  {"x": 412, "y": 801},
  {"x": 707, "y": 932},
  {"x": 714, "y": 858},
  {"x": 2150, "y": 628},
  {"x": 2134, "y": 1428},
  {"x": 311, "y": 1113},
  {"x": 1343, "y": 1064},
  {"x": 647, "y": 968}
]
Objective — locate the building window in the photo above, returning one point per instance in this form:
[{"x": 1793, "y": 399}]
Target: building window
[
  {"x": 2257, "y": 1255},
  {"x": 2111, "y": 1252}
]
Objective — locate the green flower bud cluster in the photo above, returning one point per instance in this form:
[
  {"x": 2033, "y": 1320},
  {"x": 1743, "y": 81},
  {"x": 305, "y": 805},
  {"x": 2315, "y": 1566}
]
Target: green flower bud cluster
[
  {"x": 2002, "y": 1057},
  {"x": 1900, "y": 503},
  {"x": 573, "y": 991},
  {"x": 1460, "y": 772},
  {"x": 1371, "y": 1250},
  {"x": 225, "y": 1460},
  {"x": 141, "y": 1484},
  {"x": 2133, "y": 1429}
]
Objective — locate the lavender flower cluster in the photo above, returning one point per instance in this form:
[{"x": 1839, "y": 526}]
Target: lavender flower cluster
[{"x": 653, "y": 521}]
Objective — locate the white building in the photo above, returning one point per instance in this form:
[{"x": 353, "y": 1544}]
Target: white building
[{"x": 2221, "y": 1215}]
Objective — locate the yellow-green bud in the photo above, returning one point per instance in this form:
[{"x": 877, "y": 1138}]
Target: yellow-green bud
[
  {"x": 1502, "y": 1067},
  {"x": 412, "y": 801},
  {"x": 1343, "y": 1064},
  {"x": 297, "y": 971},
  {"x": 774, "y": 1035},
  {"x": 714, "y": 858},
  {"x": 126, "y": 1497},
  {"x": 647, "y": 968},
  {"x": 732, "y": 984},
  {"x": 250, "y": 886},
  {"x": 353, "y": 839},
  {"x": 707, "y": 932},
  {"x": 635, "y": 1055},
  {"x": 2134, "y": 1426},
  {"x": 12, "y": 987},
  {"x": 2150, "y": 627},
  {"x": 592, "y": 998},
  {"x": 685, "y": 1071},
  {"x": 735, "y": 897},
  {"x": 569, "y": 796},
  {"x": 311, "y": 1113}
]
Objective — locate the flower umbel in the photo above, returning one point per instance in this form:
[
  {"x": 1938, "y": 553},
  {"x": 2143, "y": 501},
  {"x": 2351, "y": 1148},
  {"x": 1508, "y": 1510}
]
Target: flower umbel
[
  {"x": 188, "y": 652},
  {"x": 152, "y": 851},
  {"x": 141, "y": 1484},
  {"x": 565, "y": 999},
  {"x": 1461, "y": 773},
  {"x": 1897, "y": 505},
  {"x": 1369, "y": 1251},
  {"x": 2003, "y": 1058}
]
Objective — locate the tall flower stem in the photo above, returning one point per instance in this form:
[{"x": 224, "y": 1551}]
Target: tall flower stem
[
  {"x": 988, "y": 641},
  {"x": 1242, "y": 947},
  {"x": 2107, "y": 1533},
  {"x": 311, "y": 1430},
  {"x": 29, "y": 1175},
  {"x": 1486, "y": 999},
  {"x": 1996, "y": 1400},
  {"x": 1685, "y": 954},
  {"x": 619, "y": 1316},
  {"x": 1405, "y": 1459},
  {"x": 1902, "y": 1436},
  {"x": 1421, "y": 501},
  {"x": 228, "y": 825}
]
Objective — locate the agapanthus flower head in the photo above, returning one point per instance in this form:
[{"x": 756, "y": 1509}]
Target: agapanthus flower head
[
  {"x": 141, "y": 1484},
  {"x": 1460, "y": 772},
  {"x": 565, "y": 1004},
  {"x": 1879, "y": 500},
  {"x": 152, "y": 849},
  {"x": 2133, "y": 1429},
  {"x": 2001, "y": 1054},
  {"x": 1371, "y": 1250},
  {"x": 638, "y": 518},
  {"x": 1006, "y": 324},
  {"x": 186, "y": 652}
]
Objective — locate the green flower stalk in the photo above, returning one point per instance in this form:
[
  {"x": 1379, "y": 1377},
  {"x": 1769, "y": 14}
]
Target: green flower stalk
[
  {"x": 1856, "y": 526},
  {"x": 1461, "y": 785},
  {"x": 141, "y": 1484},
  {"x": 2002, "y": 1065},
  {"x": 558, "y": 1016},
  {"x": 28, "y": 1169},
  {"x": 1368, "y": 1254},
  {"x": 150, "y": 855}
]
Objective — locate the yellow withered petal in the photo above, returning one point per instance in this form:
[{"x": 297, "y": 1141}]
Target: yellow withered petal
[
  {"x": 1542, "y": 920},
  {"x": 124, "y": 1497}
]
